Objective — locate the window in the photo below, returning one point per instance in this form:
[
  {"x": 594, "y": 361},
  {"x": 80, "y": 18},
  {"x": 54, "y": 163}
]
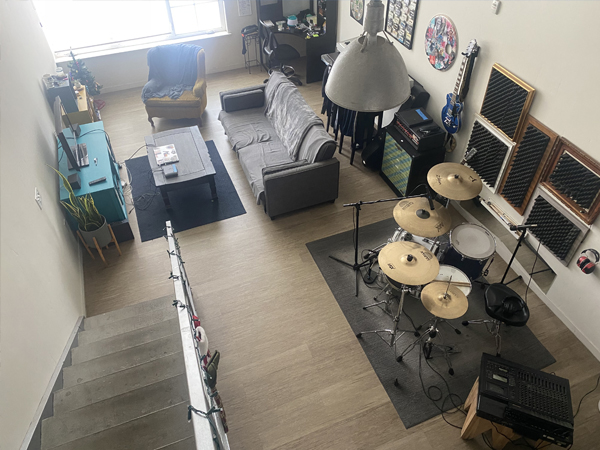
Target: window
[{"x": 98, "y": 24}]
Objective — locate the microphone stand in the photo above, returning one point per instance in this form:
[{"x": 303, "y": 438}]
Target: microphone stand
[
  {"x": 523, "y": 229},
  {"x": 356, "y": 266}
]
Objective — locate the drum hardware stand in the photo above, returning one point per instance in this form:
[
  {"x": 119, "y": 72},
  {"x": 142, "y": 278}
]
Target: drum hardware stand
[
  {"x": 394, "y": 332},
  {"x": 387, "y": 289},
  {"x": 523, "y": 229},
  {"x": 431, "y": 333},
  {"x": 357, "y": 207}
]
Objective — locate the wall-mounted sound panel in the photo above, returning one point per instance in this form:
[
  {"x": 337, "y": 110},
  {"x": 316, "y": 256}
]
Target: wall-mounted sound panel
[
  {"x": 574, "y": 178},
  {"x": 526, "y": 165},
  {"x": 492, "y": 152},
  {"x": 506, "y": 102},
  {"x": 557, "y": 229}
]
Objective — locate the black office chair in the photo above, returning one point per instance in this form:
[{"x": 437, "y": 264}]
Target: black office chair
[
  {"x": 503, "y": 305},
  {"x": 278, "y": 55}
]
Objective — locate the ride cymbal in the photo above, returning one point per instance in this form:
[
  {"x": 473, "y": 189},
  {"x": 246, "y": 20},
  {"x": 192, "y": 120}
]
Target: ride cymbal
[
  {"x": 443, "y": 301},
  {"x": 454, "y": 181},
  {"x": 415, "y": 216},
  {"x": 408, "y": 263}
]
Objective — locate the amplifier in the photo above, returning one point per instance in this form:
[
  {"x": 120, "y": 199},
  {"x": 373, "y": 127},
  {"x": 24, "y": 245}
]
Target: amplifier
[
  {"x": 423, "y": 133},
  {"x": 403, "y": 167},
  {"x": 533, "y": 403}
]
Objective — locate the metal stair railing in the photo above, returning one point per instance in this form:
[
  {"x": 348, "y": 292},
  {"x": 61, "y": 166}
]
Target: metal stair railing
[{"x": 203, "y": 411}]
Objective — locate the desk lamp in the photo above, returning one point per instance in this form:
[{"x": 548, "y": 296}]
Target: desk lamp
[{"x": 369, "y": 75}]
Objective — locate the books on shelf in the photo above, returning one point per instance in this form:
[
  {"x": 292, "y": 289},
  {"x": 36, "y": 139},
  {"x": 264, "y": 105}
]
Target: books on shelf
[{"x": 166, "y": 154}]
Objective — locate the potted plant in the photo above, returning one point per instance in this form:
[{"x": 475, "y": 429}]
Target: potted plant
[{"x": 91, "y": 223}]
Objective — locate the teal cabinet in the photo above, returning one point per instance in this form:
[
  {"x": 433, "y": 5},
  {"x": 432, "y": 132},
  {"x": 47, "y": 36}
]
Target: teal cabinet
[{"x": 108, "y": 195}]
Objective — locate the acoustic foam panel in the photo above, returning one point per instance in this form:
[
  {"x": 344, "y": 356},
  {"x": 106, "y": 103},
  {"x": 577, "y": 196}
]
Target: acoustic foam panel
[
  {"x": 506, "y": 102},
  {"x": 491, "y": 155},
  {"x": 525, "y": 167}
]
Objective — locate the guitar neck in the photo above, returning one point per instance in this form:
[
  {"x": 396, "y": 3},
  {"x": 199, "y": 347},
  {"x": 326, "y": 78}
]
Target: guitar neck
[{"x": 459, "y": 79}]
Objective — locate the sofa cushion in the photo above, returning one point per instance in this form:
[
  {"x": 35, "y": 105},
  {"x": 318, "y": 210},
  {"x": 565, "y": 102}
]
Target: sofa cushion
[
  {"x": 243, "y": 100},
  {"x": 187, "y": 99},
  {"x": 254, "y": 158},
  {"x": 247, "y": 127}
]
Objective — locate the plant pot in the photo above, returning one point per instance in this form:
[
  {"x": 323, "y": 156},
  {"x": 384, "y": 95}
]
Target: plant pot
[{"x": 102, "y": 235}]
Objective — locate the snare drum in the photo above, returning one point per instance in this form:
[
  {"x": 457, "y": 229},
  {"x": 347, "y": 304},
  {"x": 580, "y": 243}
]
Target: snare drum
[
  {"x": 457, "y": 276},
  {"x": 432, "y": 244},
  {"x": 471, "y": 246}
]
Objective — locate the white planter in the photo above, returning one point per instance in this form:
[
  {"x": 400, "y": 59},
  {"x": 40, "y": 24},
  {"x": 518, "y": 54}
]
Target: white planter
[{"x": 102, "y": 235}]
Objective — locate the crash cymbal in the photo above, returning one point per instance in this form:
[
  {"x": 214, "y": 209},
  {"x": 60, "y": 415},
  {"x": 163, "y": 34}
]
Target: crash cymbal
[
  {"x": 454, "y": 181},
  {"x": 450, "y": 305},
  {"x": 415, "y": 216},
  {"x": 408, "y": 263}
]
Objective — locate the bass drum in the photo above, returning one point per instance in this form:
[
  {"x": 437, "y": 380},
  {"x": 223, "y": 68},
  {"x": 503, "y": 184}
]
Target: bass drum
[{"x": 471, "y": 246}]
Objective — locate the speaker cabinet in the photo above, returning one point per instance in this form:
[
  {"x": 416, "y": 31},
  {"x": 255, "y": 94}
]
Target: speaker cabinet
[
  {"x": 506, "y": 102},
  {"x": 403, "y": 167},
  {"x": 525, "y": 167},
  {"x": 493, "y": 150}
]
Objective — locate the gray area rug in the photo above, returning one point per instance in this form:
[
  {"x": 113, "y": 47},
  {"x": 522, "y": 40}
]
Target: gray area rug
[{"x": 413, "y": 406}]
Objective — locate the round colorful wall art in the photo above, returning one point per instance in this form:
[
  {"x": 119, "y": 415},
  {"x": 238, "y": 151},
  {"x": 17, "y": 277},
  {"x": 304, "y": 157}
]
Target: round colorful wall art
[{"x": 441, "y": 41}]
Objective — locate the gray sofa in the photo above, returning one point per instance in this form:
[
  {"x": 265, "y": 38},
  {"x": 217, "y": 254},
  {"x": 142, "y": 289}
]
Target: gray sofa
[{"x": 282, "y": 146}]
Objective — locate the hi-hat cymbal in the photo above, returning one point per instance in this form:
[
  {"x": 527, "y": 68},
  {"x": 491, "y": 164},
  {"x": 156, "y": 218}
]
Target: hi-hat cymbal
[
  {"x": 415, "y": 216},
  {"x": 454, "y": 181},
  {"x": 408, "y": 263},
  {"x": 450, "y": 305}
]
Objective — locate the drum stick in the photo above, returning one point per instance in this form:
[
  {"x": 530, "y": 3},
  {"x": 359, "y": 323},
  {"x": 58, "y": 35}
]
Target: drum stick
[{"x": 456, "y": 283}]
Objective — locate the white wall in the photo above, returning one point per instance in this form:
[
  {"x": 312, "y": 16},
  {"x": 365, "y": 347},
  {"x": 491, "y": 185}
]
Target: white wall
[
  {"x": 129, "y": 69},
  {"x": 41, "y": 279},
  {"x": 549, "y": 45}
]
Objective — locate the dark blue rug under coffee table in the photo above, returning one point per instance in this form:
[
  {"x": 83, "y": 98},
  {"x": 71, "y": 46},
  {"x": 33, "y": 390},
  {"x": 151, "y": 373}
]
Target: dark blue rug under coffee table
[{"x": 191, "y": 207}]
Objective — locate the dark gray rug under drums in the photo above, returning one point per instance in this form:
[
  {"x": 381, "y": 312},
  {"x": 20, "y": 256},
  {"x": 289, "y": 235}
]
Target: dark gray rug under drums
[
  {"x": 192, "y": 206},
  {"x": 413, "y": 407}
]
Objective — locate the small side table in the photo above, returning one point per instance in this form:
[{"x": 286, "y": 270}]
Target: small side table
[
  {"x": 249, "y": 41},
  {"x": 475, "y": 425}
]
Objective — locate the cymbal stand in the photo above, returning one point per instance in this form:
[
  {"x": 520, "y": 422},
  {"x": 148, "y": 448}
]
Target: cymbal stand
[
  {"x": 428, "y": 345},
  {"x": 356, "y": 266},
  {"x": 393, "y": 333}
]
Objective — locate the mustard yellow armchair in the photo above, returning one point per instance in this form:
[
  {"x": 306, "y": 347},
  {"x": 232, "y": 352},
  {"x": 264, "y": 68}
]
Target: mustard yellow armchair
[{"x": 176, "y": 87}]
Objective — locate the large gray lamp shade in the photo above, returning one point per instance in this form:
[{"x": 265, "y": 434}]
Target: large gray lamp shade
[{"x": 369, "y": 75}]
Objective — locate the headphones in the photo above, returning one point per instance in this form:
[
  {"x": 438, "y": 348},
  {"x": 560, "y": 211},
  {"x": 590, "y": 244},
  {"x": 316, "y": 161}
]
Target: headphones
[{"x": 584, "y": 262}]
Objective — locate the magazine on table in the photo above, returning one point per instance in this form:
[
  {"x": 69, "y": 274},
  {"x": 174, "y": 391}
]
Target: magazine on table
[{"x": 166, "y": 154}]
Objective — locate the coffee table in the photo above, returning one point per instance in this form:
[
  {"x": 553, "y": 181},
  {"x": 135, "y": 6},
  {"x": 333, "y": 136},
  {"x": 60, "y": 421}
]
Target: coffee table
[{"x": 194, "y": 166}]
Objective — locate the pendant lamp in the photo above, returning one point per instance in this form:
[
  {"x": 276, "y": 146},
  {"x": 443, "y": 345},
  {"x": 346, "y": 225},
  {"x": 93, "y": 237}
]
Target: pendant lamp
[{"x": 369, "y": 75}]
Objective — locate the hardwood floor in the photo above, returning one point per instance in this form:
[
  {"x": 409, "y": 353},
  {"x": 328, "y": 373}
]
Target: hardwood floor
[{"x": 292, "y": 374}]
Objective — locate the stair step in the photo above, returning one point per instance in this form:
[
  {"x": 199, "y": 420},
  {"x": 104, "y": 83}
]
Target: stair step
[
  {"x": 127, "y": 312},
  {"x": 150, "y": 432},
  {"x": 63, "y": 428},
  {"x": 126, "y": 325},
  {"x": 115, "y": 362},
  {"x": 124, "y": 341},
  {"x": 185, "y": 444},
  {"x": 84, "y": 394}
]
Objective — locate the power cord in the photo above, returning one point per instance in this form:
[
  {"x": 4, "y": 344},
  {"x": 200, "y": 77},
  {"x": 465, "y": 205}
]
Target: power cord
[{"x": 585, "y": 395}]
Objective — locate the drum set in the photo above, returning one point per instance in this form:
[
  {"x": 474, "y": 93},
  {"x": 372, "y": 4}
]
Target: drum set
[{"x": 430, "y": 260}]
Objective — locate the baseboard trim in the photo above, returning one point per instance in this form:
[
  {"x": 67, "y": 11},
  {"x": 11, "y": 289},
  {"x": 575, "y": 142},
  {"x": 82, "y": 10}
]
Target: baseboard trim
[{"x": 29, "y": 443}]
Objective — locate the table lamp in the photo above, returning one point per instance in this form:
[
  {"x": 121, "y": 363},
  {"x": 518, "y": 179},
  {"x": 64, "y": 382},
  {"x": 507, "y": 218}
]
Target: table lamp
[{"x": 370, "y": 74}]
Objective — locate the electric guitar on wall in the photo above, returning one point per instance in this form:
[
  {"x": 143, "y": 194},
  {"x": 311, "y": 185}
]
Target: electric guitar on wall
[{"x": 455, "y": 101}]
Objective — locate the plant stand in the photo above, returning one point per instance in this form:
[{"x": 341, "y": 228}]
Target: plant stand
[{"x": 114, "y": 239}]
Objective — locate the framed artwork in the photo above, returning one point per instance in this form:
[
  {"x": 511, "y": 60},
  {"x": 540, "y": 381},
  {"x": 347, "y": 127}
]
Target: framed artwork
[
  {"x": 441, "y": 42},
  {"x": 357, "y": 10},
  {"x": 400, "y": 20}
]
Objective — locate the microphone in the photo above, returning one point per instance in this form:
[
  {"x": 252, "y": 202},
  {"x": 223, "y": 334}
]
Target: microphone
[
  {"x": 521, "y": 227},
  {"x": 469, "y": 155}
]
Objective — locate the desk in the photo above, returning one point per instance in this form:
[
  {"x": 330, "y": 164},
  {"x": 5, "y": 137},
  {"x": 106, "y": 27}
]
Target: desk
[
  {"x": 108, "y": 195},
  {"x": 314, "y": 47}
]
